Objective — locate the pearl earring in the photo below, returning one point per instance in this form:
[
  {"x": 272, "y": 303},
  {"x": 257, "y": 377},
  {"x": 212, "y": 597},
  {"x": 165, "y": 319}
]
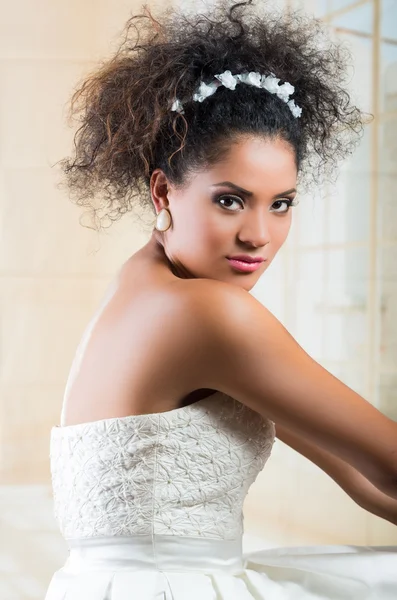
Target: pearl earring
[{"x": 163, "y": 221}]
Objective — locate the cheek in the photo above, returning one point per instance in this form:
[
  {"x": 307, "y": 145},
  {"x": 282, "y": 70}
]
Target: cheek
[
  {"x": 282, "y": 231},
  {"x": 196, "y": 236},
  {"x": 204, "y": 241},
  {"x": 204, "y": 228}
]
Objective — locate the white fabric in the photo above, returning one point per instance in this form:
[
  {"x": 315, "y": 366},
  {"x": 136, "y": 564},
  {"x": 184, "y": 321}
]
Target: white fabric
[
  {"x": 151, "y": 508},
  {"x": 182, "y": 472}
]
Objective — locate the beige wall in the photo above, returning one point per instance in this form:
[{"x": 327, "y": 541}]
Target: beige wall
[
  {"x": 53, "y": 274},
  {"x": 53, "y": 271}
]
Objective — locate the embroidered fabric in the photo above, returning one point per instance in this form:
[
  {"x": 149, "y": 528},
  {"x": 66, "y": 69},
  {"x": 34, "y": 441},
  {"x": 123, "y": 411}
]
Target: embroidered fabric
[
  {"x": 182, "y": 472},
  {"x": 151, "y": 508}
]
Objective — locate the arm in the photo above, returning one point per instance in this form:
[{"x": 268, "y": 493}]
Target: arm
[
  {"x": 245, "y": 352},
  {"x": 362, "y": 491}
]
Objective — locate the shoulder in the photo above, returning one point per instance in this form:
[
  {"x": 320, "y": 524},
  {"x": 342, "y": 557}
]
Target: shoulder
[
  {"x": 199, "y": 322},
  {"x": 230, "y": 317},
  {"x": 225, "y": 332},
  {"x": 174, "y": 317},
  {"x": 213, "y": 313},
  {"x": 224, "y": 317},
  {"x": 213, "y": 301}
]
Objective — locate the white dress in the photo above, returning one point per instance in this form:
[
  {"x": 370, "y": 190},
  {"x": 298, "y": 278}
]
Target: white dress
[{"x": 151, "y": 509}]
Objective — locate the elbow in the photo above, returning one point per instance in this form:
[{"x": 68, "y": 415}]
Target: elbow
[
  {"x": 389, "y": 487},
  {"x": 382, "y": 472},
  {"x": 387, "y": 482}
]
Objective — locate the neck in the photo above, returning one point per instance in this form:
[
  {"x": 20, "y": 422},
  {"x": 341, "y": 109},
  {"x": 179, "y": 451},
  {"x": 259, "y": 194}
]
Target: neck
[{"x": 155, "y": 250}]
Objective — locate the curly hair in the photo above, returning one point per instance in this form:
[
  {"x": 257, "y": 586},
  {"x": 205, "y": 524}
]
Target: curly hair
[{"x": 128, "y": 129}]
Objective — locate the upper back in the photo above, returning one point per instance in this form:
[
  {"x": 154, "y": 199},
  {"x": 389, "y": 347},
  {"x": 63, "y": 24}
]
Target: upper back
[{"x": 140, "y": 352}]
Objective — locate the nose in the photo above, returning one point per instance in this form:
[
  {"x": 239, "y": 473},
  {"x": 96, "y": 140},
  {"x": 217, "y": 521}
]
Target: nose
[{"x": 255, "y": 231}]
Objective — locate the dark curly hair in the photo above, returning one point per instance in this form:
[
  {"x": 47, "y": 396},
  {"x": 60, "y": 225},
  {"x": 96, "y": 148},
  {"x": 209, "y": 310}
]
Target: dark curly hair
[{"x": 127, "y": 126}]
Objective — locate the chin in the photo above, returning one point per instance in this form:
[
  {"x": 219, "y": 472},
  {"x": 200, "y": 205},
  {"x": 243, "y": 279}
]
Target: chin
[
  {"x": 246, "y": 284},
  {"x": 248, "y": 287}
]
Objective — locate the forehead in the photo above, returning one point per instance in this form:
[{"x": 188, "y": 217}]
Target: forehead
[{"x": 254, "y": 164}]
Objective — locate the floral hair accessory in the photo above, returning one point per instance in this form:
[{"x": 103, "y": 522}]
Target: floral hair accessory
[
  {"x": 267, "y": 82},
  {"x": 205, "y": 90}
]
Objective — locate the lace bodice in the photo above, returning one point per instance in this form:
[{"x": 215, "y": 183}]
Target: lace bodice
[{"x": 181, "y": 472}]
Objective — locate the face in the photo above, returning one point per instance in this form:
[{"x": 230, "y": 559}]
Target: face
[{"x": 240, "y": 206}]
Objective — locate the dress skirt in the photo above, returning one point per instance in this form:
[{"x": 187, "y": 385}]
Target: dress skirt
[{"x": 187, "y": 568}]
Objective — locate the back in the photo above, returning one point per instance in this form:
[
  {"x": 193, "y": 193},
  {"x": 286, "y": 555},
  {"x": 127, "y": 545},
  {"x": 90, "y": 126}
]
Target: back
[{"x": 135, "y": 353}]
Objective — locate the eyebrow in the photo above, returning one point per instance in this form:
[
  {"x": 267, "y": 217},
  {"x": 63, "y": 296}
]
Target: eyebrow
[{"x": 248, "y": 193}]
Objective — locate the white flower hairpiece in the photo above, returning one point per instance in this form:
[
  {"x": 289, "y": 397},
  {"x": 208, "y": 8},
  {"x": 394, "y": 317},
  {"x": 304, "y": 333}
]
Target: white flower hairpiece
[
  {"x": 267, "y": 82},
  {"x": 205, "y": 90}
]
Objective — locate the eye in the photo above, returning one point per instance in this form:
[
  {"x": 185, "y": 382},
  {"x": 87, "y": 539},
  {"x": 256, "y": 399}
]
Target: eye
[
  {"x": 289, "y": 202},
  {"x": 231, "y": 198}
]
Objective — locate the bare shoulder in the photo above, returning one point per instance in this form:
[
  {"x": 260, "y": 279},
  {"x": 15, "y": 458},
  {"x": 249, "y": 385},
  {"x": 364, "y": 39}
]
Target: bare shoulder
[
  {"x": 212, "y": 311},
  {"x": 207, "y": 298},
  {"x": 138, "y": 331},
  {"x": 247, "y": 353}
]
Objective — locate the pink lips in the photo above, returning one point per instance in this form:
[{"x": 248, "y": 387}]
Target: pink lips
[
  {"x": 246, "y": 258},
  {"x": 244, "y": 266}
]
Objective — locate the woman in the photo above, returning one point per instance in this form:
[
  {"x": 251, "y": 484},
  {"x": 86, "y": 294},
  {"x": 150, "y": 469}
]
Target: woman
[{"x": 183, "y": 380}]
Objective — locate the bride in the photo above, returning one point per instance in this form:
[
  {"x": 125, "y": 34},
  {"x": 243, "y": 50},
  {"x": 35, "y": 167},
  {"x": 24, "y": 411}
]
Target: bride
[{"x": 183, "y": 380}]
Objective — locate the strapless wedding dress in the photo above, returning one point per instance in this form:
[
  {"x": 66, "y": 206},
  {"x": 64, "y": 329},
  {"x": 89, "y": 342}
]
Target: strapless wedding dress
[{"x": 151, "y": 509}]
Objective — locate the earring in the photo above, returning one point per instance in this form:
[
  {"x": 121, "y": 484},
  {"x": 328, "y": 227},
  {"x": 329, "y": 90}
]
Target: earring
[{"x": 163, "y": 221}]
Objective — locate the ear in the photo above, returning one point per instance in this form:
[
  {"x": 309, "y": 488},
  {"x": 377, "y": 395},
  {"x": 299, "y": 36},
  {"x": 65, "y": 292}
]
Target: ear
[{"x": 159, "y": 188}]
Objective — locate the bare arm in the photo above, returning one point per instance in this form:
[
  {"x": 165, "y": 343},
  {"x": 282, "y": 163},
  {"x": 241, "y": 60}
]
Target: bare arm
[
  {"x": 248, "y": 354},
  {"x": 362, "y": 491}
]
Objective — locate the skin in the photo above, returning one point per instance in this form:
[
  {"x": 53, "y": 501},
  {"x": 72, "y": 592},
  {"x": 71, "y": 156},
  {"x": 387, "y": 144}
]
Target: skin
[
  {"x": 205, "y": 232},
  {"x": 147, "y": 313}
]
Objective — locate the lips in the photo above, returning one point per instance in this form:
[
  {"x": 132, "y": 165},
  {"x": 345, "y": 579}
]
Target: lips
[
  {"x": 246, "y": 258},
  {"x": 243, "y": 266}
]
